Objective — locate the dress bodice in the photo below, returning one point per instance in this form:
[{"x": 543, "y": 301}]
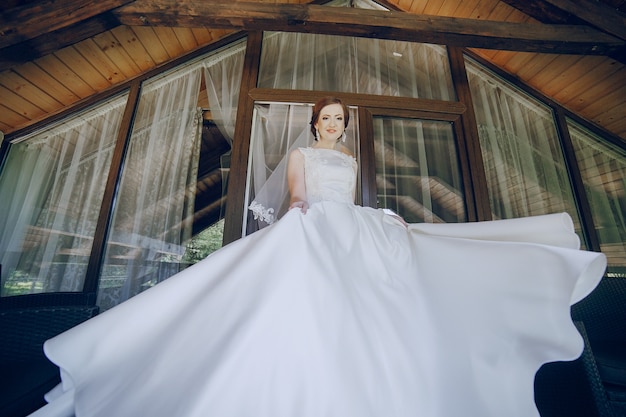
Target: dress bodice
[{"x": 330, "y": 175}]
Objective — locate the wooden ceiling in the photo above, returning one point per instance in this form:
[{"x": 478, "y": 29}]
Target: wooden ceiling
[{"x": 56, "y": 54}]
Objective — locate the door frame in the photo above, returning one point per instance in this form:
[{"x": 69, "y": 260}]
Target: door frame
[
  {"x": 368, "y": 158},
  {"x": 368, "y": 106}
]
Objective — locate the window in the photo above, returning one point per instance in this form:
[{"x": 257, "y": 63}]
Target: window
[
  {"x": 603, "y": 170},
  {"x": 521, "y": 151},
  {"x": 53, "y": 183}
]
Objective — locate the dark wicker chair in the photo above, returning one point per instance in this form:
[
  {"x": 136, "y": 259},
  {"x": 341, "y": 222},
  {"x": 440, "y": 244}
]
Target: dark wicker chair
[
  {"x": 604, "y": 316},
  {"x": 572, "y": 389},
  {"x": 25, "y": 373},
  {"x": 595, "y": 384}
]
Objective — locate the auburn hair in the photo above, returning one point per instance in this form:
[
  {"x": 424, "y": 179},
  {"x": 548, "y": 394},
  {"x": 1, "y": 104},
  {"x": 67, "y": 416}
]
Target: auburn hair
[{"x": 323, "y": 102}]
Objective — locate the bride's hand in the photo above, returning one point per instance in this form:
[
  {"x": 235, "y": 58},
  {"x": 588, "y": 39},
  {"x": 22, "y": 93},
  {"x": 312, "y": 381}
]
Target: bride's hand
[
  {"x": 395, "y": 216},
  {"x": 302, "y": 205},
  {"x": 400, "y": 219}
]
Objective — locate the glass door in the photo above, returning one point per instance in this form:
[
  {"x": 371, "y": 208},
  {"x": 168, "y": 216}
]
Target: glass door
[
  {"x": 415, "y": 168},
  {"x": 411, "y": 161}
]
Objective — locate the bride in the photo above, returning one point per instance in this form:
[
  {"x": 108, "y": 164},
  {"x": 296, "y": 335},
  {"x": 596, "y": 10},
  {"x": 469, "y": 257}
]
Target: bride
[{"x": 338, "y": 310}]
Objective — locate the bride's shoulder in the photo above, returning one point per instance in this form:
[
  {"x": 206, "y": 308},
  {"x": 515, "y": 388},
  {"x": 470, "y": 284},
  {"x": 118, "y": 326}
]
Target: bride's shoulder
[{"x": 297, "y": 153}]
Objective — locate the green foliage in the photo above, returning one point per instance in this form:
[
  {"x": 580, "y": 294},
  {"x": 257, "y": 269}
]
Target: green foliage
[{"x": 204, "y": 243}]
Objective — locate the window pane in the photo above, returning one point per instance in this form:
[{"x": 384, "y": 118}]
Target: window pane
[
  {"x": 152, "y": 217},
  {"x": 603, "y": 170},
  {"x": 524, "y": 162},
  {"x": 304, "y": 61},
  {"x": 417, "y": 170},
  {"x": 171, "y": 193},
  {"x": 52, "y": 186}
]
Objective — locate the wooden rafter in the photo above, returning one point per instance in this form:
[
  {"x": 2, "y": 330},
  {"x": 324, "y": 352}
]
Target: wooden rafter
[
  {"x": 591, "y": 12},
  {"x": 26, "y": 22},
  {"x": 40, "y": 28},
  {"x": 51, "y": 42},
  {"x": 565, "y": 39},
  {"x": 580, "y": 12}
]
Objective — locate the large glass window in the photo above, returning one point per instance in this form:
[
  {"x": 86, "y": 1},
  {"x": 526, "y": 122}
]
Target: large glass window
[
  {"x": 171, "y": 194},
  {"x": 52, "y": 186},
  {"x": 603, "y": 170},
  {"x": 417, "y": 170},
  {"x": 521, "y": 151},
  {"x": 149, "y": 225},
  {"x": 301, "y": 61}
]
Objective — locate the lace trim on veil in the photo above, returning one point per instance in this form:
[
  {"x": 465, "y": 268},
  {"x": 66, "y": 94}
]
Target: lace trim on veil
[{"x": 262, "y": 213}]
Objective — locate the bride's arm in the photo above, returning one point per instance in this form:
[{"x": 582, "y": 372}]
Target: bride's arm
[{"x": 295, "y": 181}]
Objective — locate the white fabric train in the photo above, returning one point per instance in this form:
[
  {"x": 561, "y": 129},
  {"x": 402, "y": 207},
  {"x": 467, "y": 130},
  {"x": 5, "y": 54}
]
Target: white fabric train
[{"x": 339, "y": 312}]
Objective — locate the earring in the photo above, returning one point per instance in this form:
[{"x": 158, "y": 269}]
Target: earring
[
  {"x": 317, "y": 135},
  {"x": 343, "y": 136}
]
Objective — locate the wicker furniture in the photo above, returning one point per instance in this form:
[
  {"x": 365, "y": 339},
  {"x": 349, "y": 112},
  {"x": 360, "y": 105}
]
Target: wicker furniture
[{"x": 25, "y": 373}]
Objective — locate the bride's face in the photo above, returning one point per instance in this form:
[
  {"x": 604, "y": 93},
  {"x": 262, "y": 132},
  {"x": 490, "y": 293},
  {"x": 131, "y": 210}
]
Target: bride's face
[{"x": 330, "y": 123}]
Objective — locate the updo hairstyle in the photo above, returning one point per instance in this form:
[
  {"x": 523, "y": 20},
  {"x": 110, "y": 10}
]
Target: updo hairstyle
[{"x": 323, "y": 102}]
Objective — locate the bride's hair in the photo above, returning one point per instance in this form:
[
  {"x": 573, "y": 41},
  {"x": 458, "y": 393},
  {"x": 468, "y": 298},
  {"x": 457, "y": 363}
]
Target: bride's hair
[{"x": 323, "y": 102}]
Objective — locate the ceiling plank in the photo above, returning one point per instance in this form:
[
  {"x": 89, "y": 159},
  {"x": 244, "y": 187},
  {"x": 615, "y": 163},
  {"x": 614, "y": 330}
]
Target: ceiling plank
[
  {"x": 35, "y": 19},
  {"x": 560, "y": 39}
]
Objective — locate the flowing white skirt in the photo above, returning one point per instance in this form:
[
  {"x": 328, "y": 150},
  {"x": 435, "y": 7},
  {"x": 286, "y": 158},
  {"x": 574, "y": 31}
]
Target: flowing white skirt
[{"x": 340, "y": 312}]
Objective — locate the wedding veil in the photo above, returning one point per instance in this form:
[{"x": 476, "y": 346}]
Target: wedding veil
[{"x": 277, "y": 130}]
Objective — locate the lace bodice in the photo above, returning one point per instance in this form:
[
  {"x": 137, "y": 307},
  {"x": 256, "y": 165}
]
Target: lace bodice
[{"x": 330, "y": 175}]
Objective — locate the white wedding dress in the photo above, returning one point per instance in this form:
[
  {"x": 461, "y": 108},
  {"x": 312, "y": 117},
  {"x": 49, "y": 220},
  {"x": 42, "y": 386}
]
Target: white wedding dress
[{"x": 339, "y": 312}]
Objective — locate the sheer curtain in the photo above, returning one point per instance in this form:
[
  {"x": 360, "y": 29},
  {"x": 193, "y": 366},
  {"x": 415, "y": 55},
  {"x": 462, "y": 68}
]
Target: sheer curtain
[
  {"x": 524, "y": 163},
  {"x": 222, "y": 74},
  {"x": 355, "y": 65},
  {"x": 155, "y": 200},
  {"x": 223, "y": 80},
  {"x": 52, "y": 186},
  {"x": 603, "y": 170}
]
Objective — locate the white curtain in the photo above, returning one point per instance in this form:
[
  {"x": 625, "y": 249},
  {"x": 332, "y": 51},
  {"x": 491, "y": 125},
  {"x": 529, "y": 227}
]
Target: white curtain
[
  {"x": 155, "y": 200},
  {"x": 524, "y": 163},
  {"x": 603, "y": 170},
  {"x": 222, "y": 74},
  {"x": 223, "y": 80},
  {"x": 356, "y": 65},
  {"x": 52, "y": 186}
]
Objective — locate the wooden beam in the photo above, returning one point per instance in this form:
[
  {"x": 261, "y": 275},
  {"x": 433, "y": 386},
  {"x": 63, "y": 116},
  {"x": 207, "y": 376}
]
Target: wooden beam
[
  {"x": 236, "y": 189},
  {"x": 544, "y": 12},
  {"x": 558, "y": 12},
  {"x": 592, "y": 12},
  {"x": 596, "y": 14},
  {"x": 50, "y": 40},
  {"x": 98, "y": 248},
  {"x": 53, "y": 41},
  {"x": 559, "y": 39},
  {"x": 31, "y": 20}
]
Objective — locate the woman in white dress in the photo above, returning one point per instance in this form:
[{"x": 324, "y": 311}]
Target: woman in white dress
[{"x": 339, "y": 310}]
